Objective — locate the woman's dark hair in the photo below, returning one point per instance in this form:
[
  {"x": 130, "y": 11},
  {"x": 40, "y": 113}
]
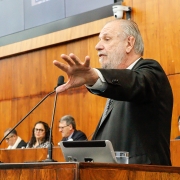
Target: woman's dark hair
[{"x": 47, "y": 133}]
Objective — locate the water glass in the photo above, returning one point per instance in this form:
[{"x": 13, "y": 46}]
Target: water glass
[{"x": 122, "y": 157}]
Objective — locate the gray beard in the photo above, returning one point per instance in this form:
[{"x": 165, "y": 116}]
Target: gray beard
[{"x": 111, "y": 64}]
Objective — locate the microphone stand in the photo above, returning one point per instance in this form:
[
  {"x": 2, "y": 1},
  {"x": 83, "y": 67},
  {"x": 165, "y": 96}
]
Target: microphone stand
[
  {"x": 26, "y": 116},
  {"x": 50, "y": 146},
  {"x": 60, "y": 82},
  {"x": 49, "y": 158}
]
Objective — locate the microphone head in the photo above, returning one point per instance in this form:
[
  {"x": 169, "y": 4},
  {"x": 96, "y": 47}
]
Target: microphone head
[{"x": 60, "y": 80}]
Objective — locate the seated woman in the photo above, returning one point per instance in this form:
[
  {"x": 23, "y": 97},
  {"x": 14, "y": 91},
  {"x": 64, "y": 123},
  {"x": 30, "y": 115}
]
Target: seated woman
[{"x": 40, "y": 136}]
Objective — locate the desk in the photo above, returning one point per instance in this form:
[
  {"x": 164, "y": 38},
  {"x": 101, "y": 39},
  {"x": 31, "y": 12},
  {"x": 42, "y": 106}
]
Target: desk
[
  {"x": 39, "y": 171},
  {"x": 24, "y": 155},
  {"x": 86, "y": 171},
  {"x": 100, "y": 171}
]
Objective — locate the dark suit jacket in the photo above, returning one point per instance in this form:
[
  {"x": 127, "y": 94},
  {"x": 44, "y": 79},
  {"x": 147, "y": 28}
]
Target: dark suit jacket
[
  {"x": 77, "y": 136},
  {"x": 140, "y": 120},
  {"x": 22, "y": 144}
]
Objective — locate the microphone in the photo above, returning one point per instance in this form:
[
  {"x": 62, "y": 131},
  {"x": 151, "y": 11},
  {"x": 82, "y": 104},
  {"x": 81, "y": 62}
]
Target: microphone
[
  {"x": 60, "y": 82},
  {"x": 50, "y": 146}
]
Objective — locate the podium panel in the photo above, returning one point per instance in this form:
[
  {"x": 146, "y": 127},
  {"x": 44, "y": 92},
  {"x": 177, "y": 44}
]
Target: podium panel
[
  {"x": 29, "y": 155},
  {"x": 39, "y": 171},
  {"x": 86, "y": 171},
  {"x": 107, "y": 171}
]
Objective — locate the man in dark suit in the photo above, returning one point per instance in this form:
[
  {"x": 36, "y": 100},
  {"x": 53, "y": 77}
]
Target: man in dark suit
[
  {"x": 13, "y": 140},
  {"x": 67, "y": 127},
  {"x": 137, "y": 117}
]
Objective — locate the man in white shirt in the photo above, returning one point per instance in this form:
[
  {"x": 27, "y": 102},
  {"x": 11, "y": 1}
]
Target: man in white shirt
[{"x": 13, "y": 140}]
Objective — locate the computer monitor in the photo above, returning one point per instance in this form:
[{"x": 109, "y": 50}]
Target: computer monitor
[{"x": 88, "y": 151}]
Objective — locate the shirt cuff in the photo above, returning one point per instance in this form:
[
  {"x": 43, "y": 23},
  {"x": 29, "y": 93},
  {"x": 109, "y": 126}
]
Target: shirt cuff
[{"x": 100, "y": 84}]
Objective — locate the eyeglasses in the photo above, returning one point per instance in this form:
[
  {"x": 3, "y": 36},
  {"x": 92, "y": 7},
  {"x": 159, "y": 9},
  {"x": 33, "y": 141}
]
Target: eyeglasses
[
  {"x": 7, "y": 139},
  {"x": 62, "y": 127},
  {"x": 40, "y": 130}
]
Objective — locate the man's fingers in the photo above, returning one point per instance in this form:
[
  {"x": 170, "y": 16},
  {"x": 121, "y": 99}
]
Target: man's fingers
[
  {"x": 78, "y": 62},
  {"x": 67, "y": 59},
  {"x": 87, "y": 61},
  {"x": 75, "y": 59},
  {"x": 60, "y": 65}
]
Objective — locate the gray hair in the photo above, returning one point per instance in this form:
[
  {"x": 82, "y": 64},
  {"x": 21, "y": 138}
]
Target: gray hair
[
  {"x": 14, "y": 132},
  {"x": 130, "y": 28},
  {"x": 69, "y": 120}
]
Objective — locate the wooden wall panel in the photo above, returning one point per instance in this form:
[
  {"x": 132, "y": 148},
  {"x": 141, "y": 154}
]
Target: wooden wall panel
[
  {"x": 145, "y": 14},
  {"x": 169, "y": 27},
  {"x": 159, "y": 23},
  {"x": 175, "y": 84},
  {"x": 37, "y": 76},
  {"x": 175, "y": 152},
  {"x": 6, "y": 79}
]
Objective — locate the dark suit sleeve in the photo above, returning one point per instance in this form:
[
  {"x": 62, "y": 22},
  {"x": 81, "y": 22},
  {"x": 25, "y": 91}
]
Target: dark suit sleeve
[
  {"x": 141, "y": 84},
  {"x": 79, "y": 135},
  {"x": 22, "y": 144}
]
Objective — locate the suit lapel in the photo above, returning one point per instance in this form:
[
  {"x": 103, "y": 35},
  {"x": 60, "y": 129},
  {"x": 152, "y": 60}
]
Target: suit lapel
[
  {"x": 102, "y": 121},
  {"x": 104, "y": 117}
]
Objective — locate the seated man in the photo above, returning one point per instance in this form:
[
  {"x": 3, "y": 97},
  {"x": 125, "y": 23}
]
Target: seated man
[
  {"x": 67, "y": 127},
  {"x": 13, "y": 140}
]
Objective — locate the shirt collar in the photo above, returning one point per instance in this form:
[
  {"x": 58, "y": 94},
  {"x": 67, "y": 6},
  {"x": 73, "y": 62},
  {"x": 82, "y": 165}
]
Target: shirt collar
[
  {"x": 70, "y": 135},
  {"x": 132, "y": 65}
]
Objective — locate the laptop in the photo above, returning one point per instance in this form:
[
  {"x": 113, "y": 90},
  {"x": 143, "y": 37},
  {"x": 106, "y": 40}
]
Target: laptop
[{"x": 88, "y": 151}]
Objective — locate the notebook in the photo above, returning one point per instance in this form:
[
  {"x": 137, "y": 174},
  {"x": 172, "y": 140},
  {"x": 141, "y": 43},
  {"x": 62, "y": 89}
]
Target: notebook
[{"x": 88, "y": 151}]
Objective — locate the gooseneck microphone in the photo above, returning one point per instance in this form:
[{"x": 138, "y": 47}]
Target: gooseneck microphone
[
  {"x": 60, "y": 82},
  {"x": 50, "y": 146}
]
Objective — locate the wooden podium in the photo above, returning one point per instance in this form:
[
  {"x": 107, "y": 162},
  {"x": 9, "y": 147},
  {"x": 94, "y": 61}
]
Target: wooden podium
[
  {"x": 86, "y": 171},
  {"x": 29, "y": 155},
  {"x": 26, "y": 155},
  {"x": 27, "y": 164}
]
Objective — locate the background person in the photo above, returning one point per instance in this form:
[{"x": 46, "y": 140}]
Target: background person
[
  {"x": 138, "y": 89},
  {"x": 178, "y": 137},
  {"x": 67, "y": 127},
  {"x": 40, "y": 135},
  {"x": 13, "y": 140}
]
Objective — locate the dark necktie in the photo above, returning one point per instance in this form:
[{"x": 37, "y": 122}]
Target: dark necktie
[{"x": 106, "y": 109}]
